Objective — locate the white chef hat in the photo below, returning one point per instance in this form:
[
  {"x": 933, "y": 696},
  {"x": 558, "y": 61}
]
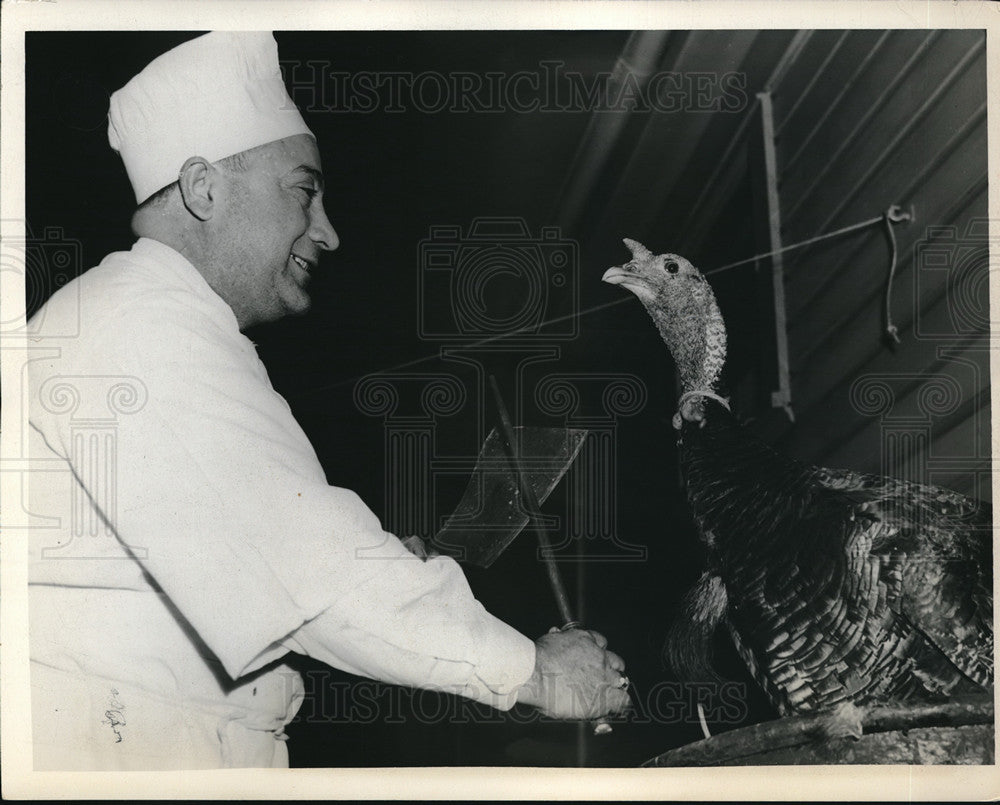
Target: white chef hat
[{"x": 212, "y": 97}]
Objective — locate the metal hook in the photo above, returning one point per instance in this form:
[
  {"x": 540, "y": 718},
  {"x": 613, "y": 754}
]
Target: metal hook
[{"x": 896, "y": 214}]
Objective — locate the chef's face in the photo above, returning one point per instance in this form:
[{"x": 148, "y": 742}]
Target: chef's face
[{"x": 274, "y": 229}]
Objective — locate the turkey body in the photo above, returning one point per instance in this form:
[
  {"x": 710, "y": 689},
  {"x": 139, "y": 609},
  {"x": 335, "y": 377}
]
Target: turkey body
[{"x": 836, "y": 586}]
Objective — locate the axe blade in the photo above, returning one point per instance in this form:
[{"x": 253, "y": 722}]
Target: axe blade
[{"x": 490, "y": 514}]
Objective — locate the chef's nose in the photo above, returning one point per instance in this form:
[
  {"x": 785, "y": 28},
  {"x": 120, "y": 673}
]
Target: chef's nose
[{"x": 321, "y": 231}]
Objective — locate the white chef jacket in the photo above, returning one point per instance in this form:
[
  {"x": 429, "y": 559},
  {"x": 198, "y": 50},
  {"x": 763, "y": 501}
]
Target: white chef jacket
[{"x": 189, "y": 540}]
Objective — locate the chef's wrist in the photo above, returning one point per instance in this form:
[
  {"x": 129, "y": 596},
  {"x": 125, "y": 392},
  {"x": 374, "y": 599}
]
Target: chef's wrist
[{"x": 530, "y": 692}]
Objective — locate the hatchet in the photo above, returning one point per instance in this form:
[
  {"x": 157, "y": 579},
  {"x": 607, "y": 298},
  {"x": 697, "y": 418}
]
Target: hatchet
[
  {"x": 514, "y": 463},
  {"x": 494, "y": 509}
]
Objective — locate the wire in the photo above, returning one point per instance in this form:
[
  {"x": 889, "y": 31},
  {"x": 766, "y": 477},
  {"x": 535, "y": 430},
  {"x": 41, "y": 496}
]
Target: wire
[
  {"x": 893, "y": 215},
  {"x": 836, "y": 233}
]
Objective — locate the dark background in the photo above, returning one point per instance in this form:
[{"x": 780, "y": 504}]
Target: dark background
[{"x": 684, "y": 177}]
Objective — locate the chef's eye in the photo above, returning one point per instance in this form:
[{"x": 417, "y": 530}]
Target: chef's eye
[{"x": 672, "y": 267}]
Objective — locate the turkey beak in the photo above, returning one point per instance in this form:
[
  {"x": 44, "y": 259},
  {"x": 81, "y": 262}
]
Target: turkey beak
[{"x": 615, "y": 275}]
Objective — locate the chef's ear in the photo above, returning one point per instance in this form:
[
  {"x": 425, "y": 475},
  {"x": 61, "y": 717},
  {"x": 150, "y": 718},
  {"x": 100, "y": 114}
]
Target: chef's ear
[{"x": 199, "y": 183}]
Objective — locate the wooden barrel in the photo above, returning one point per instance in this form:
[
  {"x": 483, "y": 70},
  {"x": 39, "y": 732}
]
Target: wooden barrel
[{"x": 954, "y": 733}]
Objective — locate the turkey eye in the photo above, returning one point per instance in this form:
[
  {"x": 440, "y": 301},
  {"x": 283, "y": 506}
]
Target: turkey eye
[{"x": 672, "y": 267}]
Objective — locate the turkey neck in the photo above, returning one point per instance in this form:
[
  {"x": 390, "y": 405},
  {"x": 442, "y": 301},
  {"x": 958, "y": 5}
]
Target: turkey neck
[
  {"x": 692, "y": 327},
  {"x": 736, "y": 483}
]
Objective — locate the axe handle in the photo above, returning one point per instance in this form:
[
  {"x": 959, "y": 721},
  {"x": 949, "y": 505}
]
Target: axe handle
[
  {"x": 530, "y": 500},
  {"x": 533, "y": 510}
]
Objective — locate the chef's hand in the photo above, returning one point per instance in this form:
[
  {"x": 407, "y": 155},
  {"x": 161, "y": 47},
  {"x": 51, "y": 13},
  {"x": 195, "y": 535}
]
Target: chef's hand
[
  {"x": 576, "y": 677},
  {"x": 418, "y": 547}
]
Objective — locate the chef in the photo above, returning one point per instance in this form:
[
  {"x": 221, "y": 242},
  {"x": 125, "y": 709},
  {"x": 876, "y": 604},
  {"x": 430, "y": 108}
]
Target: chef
[{"x": 190, "y": 539}]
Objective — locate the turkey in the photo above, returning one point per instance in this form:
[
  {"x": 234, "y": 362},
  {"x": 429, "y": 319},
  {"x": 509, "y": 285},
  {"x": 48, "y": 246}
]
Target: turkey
[{"x": 839, "y": 589}]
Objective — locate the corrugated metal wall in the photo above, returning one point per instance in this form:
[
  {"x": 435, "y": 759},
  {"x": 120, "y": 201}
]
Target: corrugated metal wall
[{"x": 863, "y": 120}]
